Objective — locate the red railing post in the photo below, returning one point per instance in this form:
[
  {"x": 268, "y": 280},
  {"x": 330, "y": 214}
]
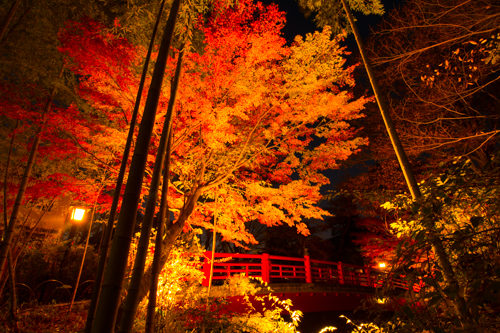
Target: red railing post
[
  {"x": 368, "y": 277},
  {"x": 307, "y": 264},
  {"x": 341, "y": 272},
  {"x": 266, "y": 267},
  {"x": 206, "y": 268}
]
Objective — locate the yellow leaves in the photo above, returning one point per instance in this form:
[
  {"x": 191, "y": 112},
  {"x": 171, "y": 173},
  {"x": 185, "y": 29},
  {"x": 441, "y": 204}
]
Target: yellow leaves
[
  {"x": 388, "y": 205},
  {"x": 316, "y": 62},
  {"x": 404, "y": 228}
]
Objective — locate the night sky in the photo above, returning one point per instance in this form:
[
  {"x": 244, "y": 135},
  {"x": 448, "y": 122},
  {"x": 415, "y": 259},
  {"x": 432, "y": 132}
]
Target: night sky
[{"x": 297, "y": 24}]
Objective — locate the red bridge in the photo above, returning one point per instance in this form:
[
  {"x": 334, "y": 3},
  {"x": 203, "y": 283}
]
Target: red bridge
[{"x": 312, "y": 285}]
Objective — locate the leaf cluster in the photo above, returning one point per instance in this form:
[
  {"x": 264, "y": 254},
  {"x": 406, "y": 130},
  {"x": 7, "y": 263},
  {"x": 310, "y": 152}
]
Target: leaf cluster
[
  {"x": 459, "y": 206},
  {"x": 331, "y": 12}
]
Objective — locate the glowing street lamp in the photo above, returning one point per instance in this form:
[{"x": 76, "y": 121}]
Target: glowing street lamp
[
  {"x": 382, "y": 265},
  {"x": 77, "y": 214}
]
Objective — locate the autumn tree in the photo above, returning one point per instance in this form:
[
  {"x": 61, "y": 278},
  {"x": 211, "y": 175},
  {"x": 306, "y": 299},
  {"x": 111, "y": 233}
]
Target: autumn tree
[
  {"x": 248, "y": 108},
  {"x": 67, "y": 161},
  {"x": 249, "y": 122}
]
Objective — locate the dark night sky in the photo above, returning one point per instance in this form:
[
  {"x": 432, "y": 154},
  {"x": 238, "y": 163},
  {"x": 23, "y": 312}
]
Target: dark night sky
[{"x": 297, "y": 24}]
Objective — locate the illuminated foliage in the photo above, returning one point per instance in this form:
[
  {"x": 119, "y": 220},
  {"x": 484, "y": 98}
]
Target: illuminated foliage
[
  {"x": 257, "y": 121},
  {"x": 463, "y": 206},
  {"x": 248, "y": 109},
  {"x": 331, "y": 12},
  {"x": 182, "y": 303}
]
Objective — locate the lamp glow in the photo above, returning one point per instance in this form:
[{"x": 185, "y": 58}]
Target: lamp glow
[
  {"x": 77, "y": 214},
  {"x": 382, "y": 265},
  {"x": 382, "y": 300}
]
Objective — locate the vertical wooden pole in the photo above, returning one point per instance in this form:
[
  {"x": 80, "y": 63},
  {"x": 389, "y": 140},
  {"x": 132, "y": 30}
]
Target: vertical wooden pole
[
  {"x": 212, "y": 258},
  {"x": 84, "y": 253},
  {"x": 307, "y": 264},
  {"x": 368, "y": 277},
  {"x": 341, "y": 272},
  {"x": 266, "y": 266},
  {"x": 206, "y": 268}
]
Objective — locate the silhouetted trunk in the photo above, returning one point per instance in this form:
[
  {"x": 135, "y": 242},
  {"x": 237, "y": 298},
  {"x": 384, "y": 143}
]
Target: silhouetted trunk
[
  {"x": 109, "y": 302},
  {"x": 12, "y": 277},
  {"x": 8, "y": 18},
  {"x": 131, "y": 300},
  {"x": 173, "y": 230},
  {"x": 156, "y": 265},
  {"x": 119, "y": 182}
]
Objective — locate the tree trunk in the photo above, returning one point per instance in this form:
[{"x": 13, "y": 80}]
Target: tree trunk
[
  {"x": 173, "y": 230},
  {"x": 156, "y": 266},
  {"x": 13, "y": 294},
  {"x": 119, "y": 182},
  {"x": 393, "y": 135},
  {"x": 8, "y": 18},
  {"x": 10, "y": 264},
  {"x": 131, "y": 300},
  {"x": 109, "y": 302}
]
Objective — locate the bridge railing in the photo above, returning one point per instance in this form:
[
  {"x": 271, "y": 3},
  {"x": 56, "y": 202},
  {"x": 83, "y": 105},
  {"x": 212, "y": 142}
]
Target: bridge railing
[{"x": 277, "y": 269}]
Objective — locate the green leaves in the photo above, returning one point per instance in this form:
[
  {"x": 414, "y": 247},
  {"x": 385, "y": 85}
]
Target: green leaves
[
  {"x": 331, "y": 12},
  {"x": 460, "y": 207}
]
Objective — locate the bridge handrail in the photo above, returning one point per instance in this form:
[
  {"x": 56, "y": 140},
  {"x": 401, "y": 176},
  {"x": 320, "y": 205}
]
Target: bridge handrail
[
  {"x": 307, "y": 270},
  {"x": 272, "y": 257}
]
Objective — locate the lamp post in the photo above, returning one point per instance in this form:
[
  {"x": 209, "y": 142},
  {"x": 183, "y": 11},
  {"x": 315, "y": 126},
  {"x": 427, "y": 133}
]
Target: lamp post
[
  {"x": 77, "y": 214},
  {"x": 74, "y": 217}
]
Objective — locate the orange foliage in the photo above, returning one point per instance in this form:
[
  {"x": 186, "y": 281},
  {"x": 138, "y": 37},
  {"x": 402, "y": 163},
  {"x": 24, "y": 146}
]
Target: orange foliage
[{"x": 256, "y": 122}]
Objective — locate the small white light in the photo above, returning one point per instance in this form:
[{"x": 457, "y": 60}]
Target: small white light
[
  {"x": 77, "y": 214},
  {"x": 382, "y": 265}
]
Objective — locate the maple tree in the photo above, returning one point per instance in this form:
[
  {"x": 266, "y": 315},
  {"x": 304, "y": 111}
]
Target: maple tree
[
  {"x": 248, "y": 108},
  {"x": 264, "y": 152},
  {"x": 47, "y": 148},
  {"x": 67, "y": 162}
]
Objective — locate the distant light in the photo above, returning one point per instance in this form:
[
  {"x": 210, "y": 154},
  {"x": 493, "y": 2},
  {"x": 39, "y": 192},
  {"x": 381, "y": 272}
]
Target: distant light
[
  {"x": 382, "y": 300},
  {"x": 77, "y": 214},
  {"x": 382, "y": 265}
]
